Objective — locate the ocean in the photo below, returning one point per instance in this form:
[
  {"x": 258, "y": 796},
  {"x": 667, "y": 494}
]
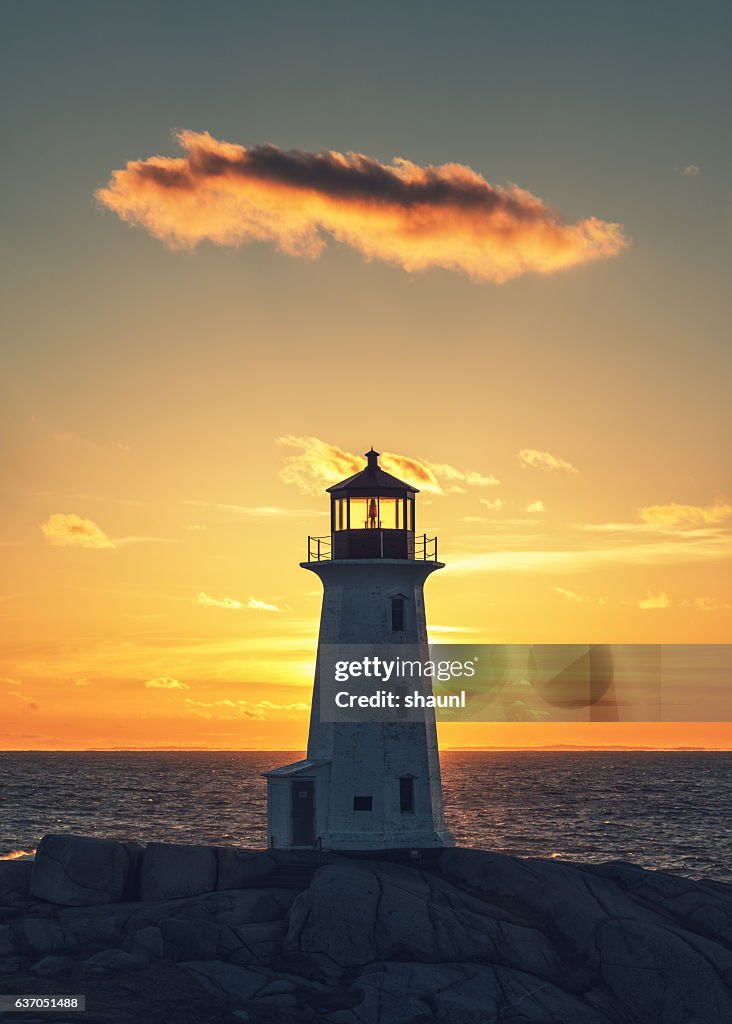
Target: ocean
[{"x": 664, "y": 810}]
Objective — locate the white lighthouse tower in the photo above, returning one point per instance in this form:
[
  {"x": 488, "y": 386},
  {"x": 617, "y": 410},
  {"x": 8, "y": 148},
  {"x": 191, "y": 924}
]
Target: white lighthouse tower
[{"x": 366, "y": 785}]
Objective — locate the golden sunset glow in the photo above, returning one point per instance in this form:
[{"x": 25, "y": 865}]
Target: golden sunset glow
[{"x": 182, "y": 618}]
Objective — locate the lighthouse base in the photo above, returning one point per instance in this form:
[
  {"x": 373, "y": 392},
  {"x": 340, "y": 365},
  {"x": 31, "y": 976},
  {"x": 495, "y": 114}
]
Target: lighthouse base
[
  {"x": 306, "y": 811},
  {"x": 361, "y": 841}
]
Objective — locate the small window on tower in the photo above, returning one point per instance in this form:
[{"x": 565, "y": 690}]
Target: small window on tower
[
  {"x": 397, "y": 614},
  {"x": 406, "y": 794},
  {"x": 362, "y": 803}
]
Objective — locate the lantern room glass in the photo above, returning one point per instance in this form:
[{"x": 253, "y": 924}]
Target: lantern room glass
[{"x": 373, "y": 513}]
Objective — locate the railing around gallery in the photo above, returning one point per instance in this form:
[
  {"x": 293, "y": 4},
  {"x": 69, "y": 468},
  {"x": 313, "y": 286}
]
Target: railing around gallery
[
  {"x": 425, "y": 548},
  {"x": 320, "y": 549}
]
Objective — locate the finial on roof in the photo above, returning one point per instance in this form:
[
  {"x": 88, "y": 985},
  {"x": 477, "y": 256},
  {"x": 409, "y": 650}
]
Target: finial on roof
[{"x": 372, "y": 457}]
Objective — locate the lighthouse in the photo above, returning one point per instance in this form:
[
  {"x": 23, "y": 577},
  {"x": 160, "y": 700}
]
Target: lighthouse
[{"x": 371, "y": 784}]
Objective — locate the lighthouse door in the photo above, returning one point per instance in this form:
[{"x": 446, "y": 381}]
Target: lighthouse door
[{"x": 303, "y": 813}]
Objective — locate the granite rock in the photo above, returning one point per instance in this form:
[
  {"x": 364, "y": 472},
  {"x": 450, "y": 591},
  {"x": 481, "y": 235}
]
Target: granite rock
[
  {"x": 240, "y": 869},
  {"x": 464, "y": 937},
  {"x": 169, "y": 871},
  {"x": 15, "y": 879},
  {"x": 78, "y": 870},
  {"x": 49, "y": 966},
  {"x": 112, "y": 960}
]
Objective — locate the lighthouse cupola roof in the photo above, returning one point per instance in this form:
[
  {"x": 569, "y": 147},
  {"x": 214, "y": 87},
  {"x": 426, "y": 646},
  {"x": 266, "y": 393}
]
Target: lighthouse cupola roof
[{"x": 372, "y": 480}]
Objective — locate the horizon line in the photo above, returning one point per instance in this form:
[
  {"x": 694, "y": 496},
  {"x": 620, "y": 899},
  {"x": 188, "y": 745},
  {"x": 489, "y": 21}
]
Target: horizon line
[{"x": 549, "y": 747}]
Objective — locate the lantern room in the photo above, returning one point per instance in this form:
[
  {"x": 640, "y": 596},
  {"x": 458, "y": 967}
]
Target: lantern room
[{"x": 372, "y": 514}]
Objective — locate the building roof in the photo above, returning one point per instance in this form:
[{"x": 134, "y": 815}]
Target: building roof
[
  {"x": 296, "y": 768},
  {"x": 372, "y": 480}
]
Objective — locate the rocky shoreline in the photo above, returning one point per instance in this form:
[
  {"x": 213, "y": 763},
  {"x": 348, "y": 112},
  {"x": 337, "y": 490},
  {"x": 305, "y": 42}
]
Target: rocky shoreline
[{"x": 457, "y": 936}]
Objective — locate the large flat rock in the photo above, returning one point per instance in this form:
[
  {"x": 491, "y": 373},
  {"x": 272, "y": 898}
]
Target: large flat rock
[
  {"x": 79, "y": 871},
  {"x": 169, "y": 870}
]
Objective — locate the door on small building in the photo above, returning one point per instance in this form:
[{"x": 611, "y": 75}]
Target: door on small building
[{"x": 303, "y": 812}]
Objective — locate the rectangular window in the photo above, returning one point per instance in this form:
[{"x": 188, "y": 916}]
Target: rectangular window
[
  {"x": 362, "y": 803},
  {"x": 342, "y": 514},
  {"x": 406, "y": 795},
  {"x": 410, "y": 514},
  {"x": 397, "y": 614}
]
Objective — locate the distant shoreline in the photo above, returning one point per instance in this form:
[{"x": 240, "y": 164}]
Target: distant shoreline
[{"x": 557, "y": 748}]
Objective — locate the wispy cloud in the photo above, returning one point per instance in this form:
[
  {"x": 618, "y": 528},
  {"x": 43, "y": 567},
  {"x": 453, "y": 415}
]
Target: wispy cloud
[
  {"x": 707, "y": 604},
  {"x": 319, "y": 464},
  {"x": 69, "y": 530},
  {"x": 494, "y": 504},
  {"x": 9, "y": 681},
  {"x": 232, "y": 604},
  {"x": 571, "y": 595},
  {"x": 661, "y": 600},
  {"x": 262, "y": 606},
  {"x": 227, "y": 709},
  {"x": 681, "y": 549},
  {"x": 544, "y": 460},
  {"x": 66, "y": 529},
  {"x": 229, "y": 603},
  {"x": 674, "y": 514},
  {"x": 166, "y": 683},
  {"x": 30, "y": 704},
  {"x": 535, "y": 506},
  {"x": 690, "y": 171},
  {"x": 416, "y": 217}
]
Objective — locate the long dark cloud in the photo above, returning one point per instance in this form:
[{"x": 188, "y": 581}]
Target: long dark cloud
[{"x": 417, "y": 217}]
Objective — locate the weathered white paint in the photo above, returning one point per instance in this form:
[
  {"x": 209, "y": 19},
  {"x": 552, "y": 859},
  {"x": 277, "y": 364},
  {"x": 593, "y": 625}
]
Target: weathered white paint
[{"x": 348, "y": 759}]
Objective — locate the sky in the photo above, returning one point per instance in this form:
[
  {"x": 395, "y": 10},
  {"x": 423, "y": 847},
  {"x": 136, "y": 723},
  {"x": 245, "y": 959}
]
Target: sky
[{"x": 517, "y": 287}]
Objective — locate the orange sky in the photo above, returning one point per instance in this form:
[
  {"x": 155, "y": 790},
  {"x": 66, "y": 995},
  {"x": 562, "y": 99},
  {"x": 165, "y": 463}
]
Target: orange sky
[
  {"x": 181, "y": 617},
  {"x": 469, "y": 242}
]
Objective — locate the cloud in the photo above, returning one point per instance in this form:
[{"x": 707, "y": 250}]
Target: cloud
[
  {"x": 416, "y": 217},
  {"x": 655, "y": 601},
  {"x": 218, "y": 602},
  {"x": 236, "y": 709},
  {"x": 682, "y": 549},
  {"x": 261, "y": 606},
  {"x": 12, "y": 682},
  {"x": 166, "y": 683},
  {"x": 30, "y": 704},
  {"x": 708, "y": 604},
  {"x": 690, "y": 171},
  {"x": 494, "y": 504},
  {"x": 571, "y": 595},
  {"x": 66, "y": 529},
  {"x": 231, "y": 604},
  {"x": 69, "y": 530},
  {"x": 685, "y": 515},
  {"x": 535, "y": 506},
  {"x": 544, "y": 460},
  {"x": 319, "y": 464}
]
